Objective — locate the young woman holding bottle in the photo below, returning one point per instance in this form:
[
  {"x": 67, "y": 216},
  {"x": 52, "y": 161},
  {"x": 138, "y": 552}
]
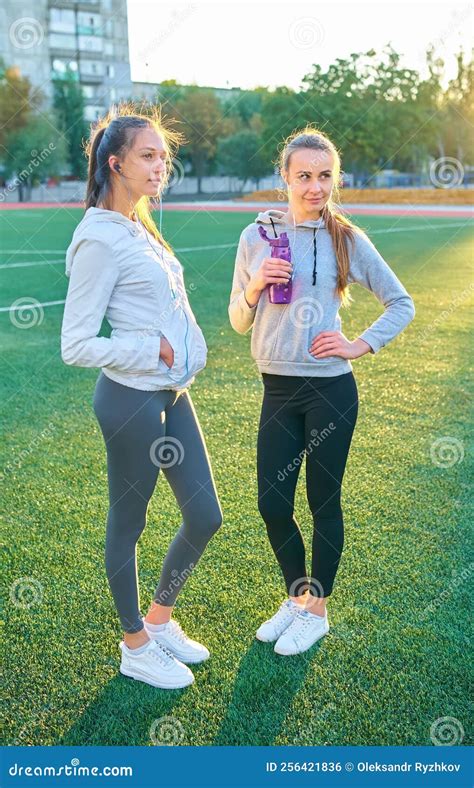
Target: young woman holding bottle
[{"x": 310, "y": 400}]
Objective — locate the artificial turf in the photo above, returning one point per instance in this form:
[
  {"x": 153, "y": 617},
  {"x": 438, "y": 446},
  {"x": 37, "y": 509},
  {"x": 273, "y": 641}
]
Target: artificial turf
[{"x": 394, "y": 662}]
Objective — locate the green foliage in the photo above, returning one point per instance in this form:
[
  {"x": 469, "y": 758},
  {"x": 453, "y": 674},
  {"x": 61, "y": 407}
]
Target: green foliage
[
  {"x": 36, "y": 151},
  {"x": 241, "y": 155},
  {"x": 68, "y": 102},
  {"x": 18, "y": 101}
]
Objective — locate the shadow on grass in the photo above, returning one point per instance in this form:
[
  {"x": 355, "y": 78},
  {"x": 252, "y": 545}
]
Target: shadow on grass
[
  {"x": 130, "y": 712},
  {"x": 265, "y": 686}
]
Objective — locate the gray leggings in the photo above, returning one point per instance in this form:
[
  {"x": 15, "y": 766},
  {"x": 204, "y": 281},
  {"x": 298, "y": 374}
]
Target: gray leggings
[{"x": 145, "y": 431}]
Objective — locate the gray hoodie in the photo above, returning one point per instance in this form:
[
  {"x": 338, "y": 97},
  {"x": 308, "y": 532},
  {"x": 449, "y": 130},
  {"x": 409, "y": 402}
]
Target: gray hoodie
[
  {"x": 119, "y": 271},
  {"x": 282, "y": 333}
]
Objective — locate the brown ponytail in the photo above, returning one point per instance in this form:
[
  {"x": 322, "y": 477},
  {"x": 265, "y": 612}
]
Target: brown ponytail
[
  {"x": 93, "y": 187},
  {"x": 113, "y": 135}
]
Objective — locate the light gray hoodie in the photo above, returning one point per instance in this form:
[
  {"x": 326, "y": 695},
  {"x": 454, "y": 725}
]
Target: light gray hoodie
[
  {"x": 282, "y": 333},
  {"x": 119, "y": 271}
]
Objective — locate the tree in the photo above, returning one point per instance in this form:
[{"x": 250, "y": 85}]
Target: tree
[
  {"x": 68, "y": 101},
  {"x": 34, "y": 153},
  {"x": 200, "y": 117},
  {"x": 241, "y": 155},
  {"x": 244, "y": 106},
  {"x": 459, "y": 113},
  {"x": 283, "y": 111},
  {"x": 378, "y": 112},
  {"x": 17, "y": 100}
]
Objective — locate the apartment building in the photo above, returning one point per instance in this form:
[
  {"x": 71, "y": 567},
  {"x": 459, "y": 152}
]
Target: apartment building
[{"x": 45, "y": 37}]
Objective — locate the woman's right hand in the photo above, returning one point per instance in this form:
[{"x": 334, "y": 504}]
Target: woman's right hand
[
  {"x": 272, "y": 271},
  {"x": 166, "y": 352}
]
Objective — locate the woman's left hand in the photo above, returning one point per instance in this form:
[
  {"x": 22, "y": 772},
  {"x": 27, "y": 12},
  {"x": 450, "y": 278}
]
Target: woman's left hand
[{"x": 334, "y": 343}]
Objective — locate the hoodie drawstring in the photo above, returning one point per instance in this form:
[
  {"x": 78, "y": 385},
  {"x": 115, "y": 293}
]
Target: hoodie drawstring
[
  {"x": 315, "y": 256},
  {"x": 315, "y": 253}
]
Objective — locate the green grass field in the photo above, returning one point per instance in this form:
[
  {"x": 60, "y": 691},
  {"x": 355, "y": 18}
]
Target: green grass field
[{"x": 394, "y": 663}]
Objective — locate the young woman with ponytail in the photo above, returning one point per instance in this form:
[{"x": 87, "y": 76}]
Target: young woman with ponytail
[
  {"x": 310, "y": 400},
  {"x": 121, "y": 268}
]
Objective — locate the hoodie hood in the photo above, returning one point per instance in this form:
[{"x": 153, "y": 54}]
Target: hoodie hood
[
  {"x": 278, "y": 217},
  {"x": 94, "y": 224}
]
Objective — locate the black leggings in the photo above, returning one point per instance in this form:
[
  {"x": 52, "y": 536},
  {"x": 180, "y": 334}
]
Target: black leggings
[{"x": 314, "y": 418}]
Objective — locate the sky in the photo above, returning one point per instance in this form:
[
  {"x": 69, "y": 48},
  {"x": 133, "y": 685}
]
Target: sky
[{"x": 271, "y": 43}]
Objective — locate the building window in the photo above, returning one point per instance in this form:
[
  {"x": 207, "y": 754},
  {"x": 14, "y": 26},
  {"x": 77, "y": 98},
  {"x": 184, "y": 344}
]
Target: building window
[
  {"x": 90, "y": 43},
  {"x": 62, "y": 41},
  {"x": 110, "y": 72},
  {"x": 62, "y": 20},
  {"x": 88, "y": 24},
  {"x": 91, "y": 67},
  {"x": 93, "y": 111}
]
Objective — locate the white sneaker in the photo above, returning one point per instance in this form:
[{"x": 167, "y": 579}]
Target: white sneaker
[
  {"x": 302, "y": 633},
  {"x": 156, "y": 666},
  {"x": 174, "y": 639},
  {"x": 275, "y": 626}
]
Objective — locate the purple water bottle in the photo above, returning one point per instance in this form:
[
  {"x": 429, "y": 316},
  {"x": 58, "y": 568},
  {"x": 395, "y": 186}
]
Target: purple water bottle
[{"x": 280, "y": 247}]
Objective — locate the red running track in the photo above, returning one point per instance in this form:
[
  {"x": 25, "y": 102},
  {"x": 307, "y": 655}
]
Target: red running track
[{"x": 368, "y": 210}]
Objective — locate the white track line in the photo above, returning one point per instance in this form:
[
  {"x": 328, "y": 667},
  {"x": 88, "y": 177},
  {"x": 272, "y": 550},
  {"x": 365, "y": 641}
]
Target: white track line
[
  {"x": 34, "y": 263},
  {"x": 34, "y": 304},
  {"x": 34, "y": 251},
  {"x": 205, "y": 248}
]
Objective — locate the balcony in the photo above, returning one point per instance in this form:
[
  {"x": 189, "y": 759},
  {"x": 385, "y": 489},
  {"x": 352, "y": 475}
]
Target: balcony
[
  {"x": 82, "y": 5},
  {"x": 91, "y": 79},
  {"x": 62, "y": 43},
  {"x": 91, "y": 44}
]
